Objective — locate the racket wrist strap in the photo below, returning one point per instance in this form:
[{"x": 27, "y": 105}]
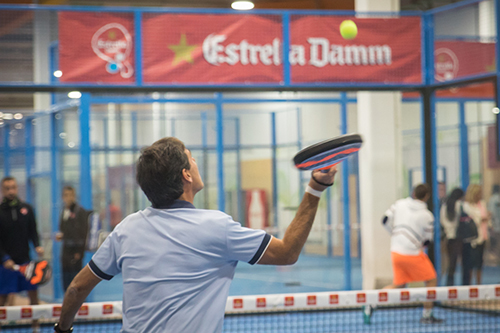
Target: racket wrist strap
[
  {"x": 314, "y": 192},
  {"x": 317, "y": 181}
]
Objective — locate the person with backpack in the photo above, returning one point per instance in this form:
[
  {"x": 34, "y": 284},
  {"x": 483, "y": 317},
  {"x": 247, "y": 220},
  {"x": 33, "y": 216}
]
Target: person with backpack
[{"x": 450, "y": 216}]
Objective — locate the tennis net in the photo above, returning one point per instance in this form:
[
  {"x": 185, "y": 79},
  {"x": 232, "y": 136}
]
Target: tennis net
[{"x": 463, "y": 309}]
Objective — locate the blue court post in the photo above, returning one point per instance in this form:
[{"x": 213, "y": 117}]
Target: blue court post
[
  {"x": 345, "y": 196},
  {"x": 221, "y": 197},
  {"x": 28, "y": 159},
  {"x": 85, "y": 152},
  {"x": 286, "y": 48},
  {"x": 464, "y": 147},
  {"x": 6, "y": 149},
  {"x": 55, "y": 199},
  {"x": 138, "y": 47}
]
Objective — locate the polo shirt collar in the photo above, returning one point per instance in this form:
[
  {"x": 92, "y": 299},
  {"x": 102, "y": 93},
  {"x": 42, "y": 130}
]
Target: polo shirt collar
[{"x": 177, "y": 204}]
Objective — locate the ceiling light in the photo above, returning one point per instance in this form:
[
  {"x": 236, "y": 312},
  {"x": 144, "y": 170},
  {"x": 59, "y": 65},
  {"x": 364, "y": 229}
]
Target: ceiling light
[
  {"x": 242, "y": 5},
  {"x": 7, "y": 116},
  {"x": 18, "y": 116},
  {"x": 58, "y": 73},
  {"x": 496, "y": 110},
  {"x": 74, "y": 94}
]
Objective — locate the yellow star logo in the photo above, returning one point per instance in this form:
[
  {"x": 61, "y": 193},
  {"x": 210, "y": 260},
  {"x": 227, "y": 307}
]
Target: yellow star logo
[{"x": 183, "y": 51}]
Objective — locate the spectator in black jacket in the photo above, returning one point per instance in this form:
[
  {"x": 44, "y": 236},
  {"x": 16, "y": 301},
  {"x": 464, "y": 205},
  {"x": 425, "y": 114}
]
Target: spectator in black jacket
[
  {"x": 17, "y": 229},
  {"x": 73, "y": 230}
]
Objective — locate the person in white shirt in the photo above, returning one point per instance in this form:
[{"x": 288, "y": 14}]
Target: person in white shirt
[
  {"x": 411, "y": 225},
  {"x": 450, "y": 214}
]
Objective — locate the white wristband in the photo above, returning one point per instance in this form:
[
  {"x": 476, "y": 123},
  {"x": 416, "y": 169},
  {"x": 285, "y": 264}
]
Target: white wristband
[{"x": 314, "y": 192}]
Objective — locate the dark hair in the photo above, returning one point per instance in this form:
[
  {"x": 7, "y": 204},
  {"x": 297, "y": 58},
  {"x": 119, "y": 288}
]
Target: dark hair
[
  {"x": 496, "y": 188},
  {"x": 159, "y": 171},
  {"x": 69, "y": 188},
  {"x": 6, "y": 179},
  {"x": 454, "y": 196},
  {"x": 421, "y": 191}
]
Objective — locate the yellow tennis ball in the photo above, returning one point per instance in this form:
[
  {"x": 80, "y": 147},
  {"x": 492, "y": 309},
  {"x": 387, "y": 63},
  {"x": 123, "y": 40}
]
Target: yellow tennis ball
[{"x": 348, "y": 29}]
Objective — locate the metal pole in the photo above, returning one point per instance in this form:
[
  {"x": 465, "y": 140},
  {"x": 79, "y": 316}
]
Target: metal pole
[
  {"x": 85, "y": 152},
  {"x": 286, "y": 48},
  {"x": 345, "y": 202},
  {"x": 55, "y": 197},
  {"x": 221, "y": 197},
  {"x": 6, "y": 149},
  {"x": 464, "y": 147},
  {"x": 430, "y": 136},
  {"x": 28, "y": 159},
  {"x": 138, "y": 47}
]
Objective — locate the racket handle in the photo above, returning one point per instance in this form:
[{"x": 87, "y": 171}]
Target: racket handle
[{"x": 324, "y": 171}]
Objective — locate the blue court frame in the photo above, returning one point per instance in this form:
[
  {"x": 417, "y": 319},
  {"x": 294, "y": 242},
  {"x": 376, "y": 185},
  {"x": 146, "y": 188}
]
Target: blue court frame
[{"x": 427, "y": 88}]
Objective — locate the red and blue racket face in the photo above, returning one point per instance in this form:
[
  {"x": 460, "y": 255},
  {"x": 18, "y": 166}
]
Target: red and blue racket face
[{"x": 327, "y": 153}]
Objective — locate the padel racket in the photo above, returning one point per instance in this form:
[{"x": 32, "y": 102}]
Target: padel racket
[
  {"x": 323, "y": 155},
  {"x": 37, "y": 272}
]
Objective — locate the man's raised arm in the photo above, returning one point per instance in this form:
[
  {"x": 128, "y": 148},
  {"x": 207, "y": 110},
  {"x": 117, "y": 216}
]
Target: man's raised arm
[{"x": 286, "y": 251}]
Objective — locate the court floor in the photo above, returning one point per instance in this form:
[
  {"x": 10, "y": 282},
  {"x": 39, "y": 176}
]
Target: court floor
[{"x": 309, "y": 274}]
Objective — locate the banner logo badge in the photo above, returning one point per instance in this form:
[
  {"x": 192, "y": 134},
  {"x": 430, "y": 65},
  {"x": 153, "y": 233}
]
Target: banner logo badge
[{"x": 113, "y": 44}]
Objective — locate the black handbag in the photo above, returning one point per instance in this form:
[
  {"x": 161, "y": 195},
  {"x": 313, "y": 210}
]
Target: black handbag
[{"x": 467, "y": 229}]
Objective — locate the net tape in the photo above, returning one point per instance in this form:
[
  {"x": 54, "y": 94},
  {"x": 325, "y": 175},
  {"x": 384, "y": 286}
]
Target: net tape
[{"x": 280, "y": 302}]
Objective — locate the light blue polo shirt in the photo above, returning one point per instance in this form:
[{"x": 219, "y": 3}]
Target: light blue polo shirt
[{"x": 177, "y": 265}]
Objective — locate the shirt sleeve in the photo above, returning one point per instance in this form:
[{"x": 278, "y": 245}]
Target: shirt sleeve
[
  {"x": 104, "y": 263},
  {"x": 388, "y": 219},
  {"x": 428, "y": 233},
  {"x": 245, "y": 244}
]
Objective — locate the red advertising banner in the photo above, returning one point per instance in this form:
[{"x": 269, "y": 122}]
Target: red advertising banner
[
  {"x": 384, "y": 50},
  {"x": 211, "y": 49},
  {"x": 96, "y": 47},
  {"x": 244, "y": 49},
  {"x": 477, "y": 90},
  {"x": 455, "y": 59}
]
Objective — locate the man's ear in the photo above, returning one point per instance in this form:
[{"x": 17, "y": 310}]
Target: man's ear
[{"x": 186, "y": 175}]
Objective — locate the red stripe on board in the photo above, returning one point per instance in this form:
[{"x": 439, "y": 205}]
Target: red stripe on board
[{"x": 347, "y": 151}]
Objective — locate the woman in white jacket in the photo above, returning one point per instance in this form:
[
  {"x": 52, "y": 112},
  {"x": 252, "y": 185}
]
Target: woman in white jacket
[
  {"x": 450, "y": 214},
  {"x": 472, "y": 253}
]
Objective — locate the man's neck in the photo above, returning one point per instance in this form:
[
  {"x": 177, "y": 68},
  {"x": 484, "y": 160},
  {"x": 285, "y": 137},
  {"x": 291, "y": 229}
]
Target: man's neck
[{"x": 187, "y": 196}]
